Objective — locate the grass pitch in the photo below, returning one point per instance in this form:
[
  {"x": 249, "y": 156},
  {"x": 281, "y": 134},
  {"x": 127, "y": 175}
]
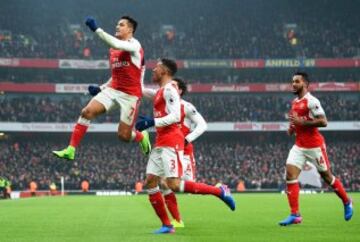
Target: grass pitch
[{"x": 131, "y": 218}]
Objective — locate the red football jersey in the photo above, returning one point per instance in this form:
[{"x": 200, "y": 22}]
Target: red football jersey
[
  {"x": 127, "y": 70},
  {"x": 307, "y": 108},
  {"x": 166, "y": 108}
]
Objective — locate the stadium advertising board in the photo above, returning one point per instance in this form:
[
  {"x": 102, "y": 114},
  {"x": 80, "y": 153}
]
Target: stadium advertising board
[
  {"x": 193, "y": 88},
  {"x": 217, "y": 63},
  {"x": 290, "y": 63},
  {"x": 212, "y": 127},
  {"x": 188, "y": 64},
  {"x": 83, "y": 64}
]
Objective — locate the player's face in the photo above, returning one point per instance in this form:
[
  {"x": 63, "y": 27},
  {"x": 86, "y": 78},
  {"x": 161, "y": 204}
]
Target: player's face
[
  {"x": 158, "y": 72},
  {"x": 298, "y": 84},
  {"x": 123, "y": 29}
]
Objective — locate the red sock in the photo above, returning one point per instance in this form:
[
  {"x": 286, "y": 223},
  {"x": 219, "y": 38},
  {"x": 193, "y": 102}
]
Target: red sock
[
  {"x": 138, "y": 136},
  {"x": 201, "y": 188},
  {"x": 77, "y": 134},
  {"x": 340, "y": 191},
  {"x": 293, "y": 196},
  {"x": 158, "y": 204},
  {"x": 171, "y": 203}
]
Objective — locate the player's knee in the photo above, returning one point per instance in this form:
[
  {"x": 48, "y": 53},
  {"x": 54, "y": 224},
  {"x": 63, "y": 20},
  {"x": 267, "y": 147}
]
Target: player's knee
[
  {"x": 290, "y": 176},
  {"x": 124, "y": 136},
  {"x": 87, "y": 113},
  {"x": 150, "y": 183},
  {"x": 328, "y": 177},
  {"x": 173, "y": 184}
]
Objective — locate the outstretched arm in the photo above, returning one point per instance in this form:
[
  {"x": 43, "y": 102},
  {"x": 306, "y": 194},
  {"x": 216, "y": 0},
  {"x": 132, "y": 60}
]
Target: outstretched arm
[
  {"x": 116, "y": 43},
  {"x": 130, "y": 46}
]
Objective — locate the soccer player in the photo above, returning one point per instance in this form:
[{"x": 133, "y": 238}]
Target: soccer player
[
  {"x": 192, "y": 126},
  {"x": 124, "y": 88},
  {"x": 165, "y": 158},
  {"x": 305, "y": 117}
]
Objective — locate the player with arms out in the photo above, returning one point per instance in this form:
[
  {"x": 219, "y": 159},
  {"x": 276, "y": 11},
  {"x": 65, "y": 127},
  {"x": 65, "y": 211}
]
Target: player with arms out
[
  {"x": 305, "y": 117},
  {"x": 124, "y": 88},
  {"x": 166, "y": 158},
  {"x": 192, "y": 126}
]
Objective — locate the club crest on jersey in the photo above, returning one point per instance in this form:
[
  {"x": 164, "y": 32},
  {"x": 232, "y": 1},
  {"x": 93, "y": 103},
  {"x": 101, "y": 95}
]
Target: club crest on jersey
[{"x": 301, "y": 105}]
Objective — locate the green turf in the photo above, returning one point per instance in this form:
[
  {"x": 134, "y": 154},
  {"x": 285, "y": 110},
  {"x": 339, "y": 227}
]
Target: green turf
[{"x": 131, "y": 218}]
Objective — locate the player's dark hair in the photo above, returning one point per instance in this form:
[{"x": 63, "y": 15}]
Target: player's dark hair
[
  {"x": 133, "y": 22},
  {"x": 304, "y": 75},
  {"x": 181, "y": 84},
  {"x": 170, "y": 64}
]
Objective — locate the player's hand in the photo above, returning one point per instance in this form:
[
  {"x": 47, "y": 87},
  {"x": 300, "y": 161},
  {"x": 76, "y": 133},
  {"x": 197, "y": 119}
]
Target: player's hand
[
  {"x": 91, "y": 23},
  {"x": 295, "y": 120},
  {"x": 94, "y": 90},
  {"x": 144, "y": 123}
]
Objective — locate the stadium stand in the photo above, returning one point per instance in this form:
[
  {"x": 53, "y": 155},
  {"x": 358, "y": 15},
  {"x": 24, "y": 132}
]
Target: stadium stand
[
  {"x": 281, "y": 34},
  {"x": 214, "y": 107},
  {"x": 110, "y": 164}
]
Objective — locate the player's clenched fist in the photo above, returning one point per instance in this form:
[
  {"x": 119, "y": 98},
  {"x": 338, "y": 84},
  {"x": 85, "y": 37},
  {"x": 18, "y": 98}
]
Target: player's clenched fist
[
  {"x": 91, "y": 23},
  {"x": 94, "y": 90}
]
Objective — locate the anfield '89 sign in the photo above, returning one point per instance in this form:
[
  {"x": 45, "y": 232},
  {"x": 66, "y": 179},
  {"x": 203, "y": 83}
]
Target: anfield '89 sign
[{"x": 290, "y": 63}]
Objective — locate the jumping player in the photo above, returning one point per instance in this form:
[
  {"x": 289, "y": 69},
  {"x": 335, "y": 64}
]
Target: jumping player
[
  {"x": 305, "y": 117},
  {"x": 124, "y": 88}
]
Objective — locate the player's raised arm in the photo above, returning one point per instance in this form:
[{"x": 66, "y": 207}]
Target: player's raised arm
[
  {"x": 115, "y": 43},
  {"x": 172, "y": 100},
  {"x": 197, "y": 119},
  {"x": 127, "y": 44}
]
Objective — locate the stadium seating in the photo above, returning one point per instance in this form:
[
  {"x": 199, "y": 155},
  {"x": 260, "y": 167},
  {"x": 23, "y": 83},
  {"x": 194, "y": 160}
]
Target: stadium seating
[
  {"x": 120, "y": 165},
  {"x": 214, "y": 107},
  {"x": 239, "y": 34}
]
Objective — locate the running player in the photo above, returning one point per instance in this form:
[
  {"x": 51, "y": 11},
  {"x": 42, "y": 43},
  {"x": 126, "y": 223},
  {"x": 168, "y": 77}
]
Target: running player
[
  {"x": 124, "y": 88},
  {"x": 192, "y": 125},
  {"x": 165, "y": 158},
  {"x": 305, "y": 117}
]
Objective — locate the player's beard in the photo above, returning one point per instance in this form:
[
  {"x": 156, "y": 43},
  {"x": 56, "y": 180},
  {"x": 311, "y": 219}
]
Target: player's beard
[{"x": 297, "y": 91}]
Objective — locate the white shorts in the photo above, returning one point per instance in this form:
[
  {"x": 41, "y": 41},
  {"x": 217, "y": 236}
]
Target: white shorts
[
  {"x": 165, "y": 162},
  {"x": 189, "y": 167},
  {"x": 128, "y": 104},
  {"x": 317, "y": 156}
]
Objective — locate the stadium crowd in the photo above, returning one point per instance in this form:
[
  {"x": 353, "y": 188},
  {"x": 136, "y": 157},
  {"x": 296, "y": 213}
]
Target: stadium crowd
[
  {"x": 215, "y": 107},
  {"x": 278, "y": 34},
  {"x": 115, "y": 165}
]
